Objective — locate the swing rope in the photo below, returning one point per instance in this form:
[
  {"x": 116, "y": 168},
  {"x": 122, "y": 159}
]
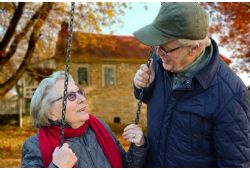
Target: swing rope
[{"x": 70, "y": 31}]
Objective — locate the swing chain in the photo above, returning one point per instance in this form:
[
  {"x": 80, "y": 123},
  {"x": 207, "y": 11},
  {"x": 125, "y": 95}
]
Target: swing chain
[
  {"x": 139, "y": 104},
  {"x": 68, "y": 53}
]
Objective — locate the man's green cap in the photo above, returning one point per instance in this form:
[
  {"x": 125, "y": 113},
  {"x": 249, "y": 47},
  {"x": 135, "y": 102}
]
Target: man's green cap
[{"x": 175, "y": 20}]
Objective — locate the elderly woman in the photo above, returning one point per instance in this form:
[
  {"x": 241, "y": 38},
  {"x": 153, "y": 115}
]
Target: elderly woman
[{"x": 89, "y": 142}]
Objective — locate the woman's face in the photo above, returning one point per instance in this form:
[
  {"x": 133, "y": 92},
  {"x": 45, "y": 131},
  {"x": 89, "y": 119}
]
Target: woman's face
[{"x": 76, "y": 113}]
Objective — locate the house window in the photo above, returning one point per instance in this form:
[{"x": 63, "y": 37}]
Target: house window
[
  {"x": 117, "y": 120},
  {"x": 83, "y": 76},
  {"x": 108, "y": 75}
]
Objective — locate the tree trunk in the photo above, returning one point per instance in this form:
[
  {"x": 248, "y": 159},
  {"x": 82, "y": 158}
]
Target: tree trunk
[
  {"x": 6, "y": 86},
  {"x": 19, "y": 37},
  {"x": 11, "y": 29}
]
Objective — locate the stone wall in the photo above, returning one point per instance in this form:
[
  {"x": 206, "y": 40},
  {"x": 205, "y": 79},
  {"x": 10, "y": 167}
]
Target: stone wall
[{"x": 112, "y": 102}]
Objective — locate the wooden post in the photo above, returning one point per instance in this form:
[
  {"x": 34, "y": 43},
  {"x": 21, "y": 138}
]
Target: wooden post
[
  {"x": 24, "y": 105},
  {"x": 20, "y": 111},
  {"x": 21, "y": 101}
]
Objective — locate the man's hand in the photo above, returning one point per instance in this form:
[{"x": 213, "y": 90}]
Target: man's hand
[{"x": 144, "y": 76}]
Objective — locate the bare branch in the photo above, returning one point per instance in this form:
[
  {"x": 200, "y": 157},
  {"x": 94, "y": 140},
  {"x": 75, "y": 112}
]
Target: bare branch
[
  {"x": 6, "y": 86},
  {"x": 20, "y": 36},
  {"x": 11, "y": 29}
]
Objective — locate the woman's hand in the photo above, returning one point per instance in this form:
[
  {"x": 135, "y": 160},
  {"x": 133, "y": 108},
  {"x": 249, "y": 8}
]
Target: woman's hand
[
  {"x": 64, "y": 157},
  {"x": 133, "y": 133}
]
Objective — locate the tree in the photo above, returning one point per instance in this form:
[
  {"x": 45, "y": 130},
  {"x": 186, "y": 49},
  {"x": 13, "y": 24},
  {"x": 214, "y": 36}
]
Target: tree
[
  {"x": 36, "y": 22},
  {"x": 230, "y": 21},
  {"x": 29, "y": 28}
]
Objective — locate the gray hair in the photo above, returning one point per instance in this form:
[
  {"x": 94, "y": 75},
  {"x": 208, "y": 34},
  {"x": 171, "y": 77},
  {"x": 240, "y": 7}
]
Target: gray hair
[
  {"x": 203, "y": 43},
  {"x": 45, "y": 93}
]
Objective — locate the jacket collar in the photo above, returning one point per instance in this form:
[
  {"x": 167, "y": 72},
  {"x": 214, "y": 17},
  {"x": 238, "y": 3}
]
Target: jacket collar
[{"x": 206, "y": 74}]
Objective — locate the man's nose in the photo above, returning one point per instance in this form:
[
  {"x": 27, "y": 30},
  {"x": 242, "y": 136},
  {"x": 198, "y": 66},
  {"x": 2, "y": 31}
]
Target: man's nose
[{"x": 159, "y": 52}]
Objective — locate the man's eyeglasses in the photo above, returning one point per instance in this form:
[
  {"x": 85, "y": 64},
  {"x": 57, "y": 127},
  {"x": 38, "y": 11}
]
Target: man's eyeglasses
[
  {"x": 72, "y": 96},
  {"x": 165, "y": 51}
]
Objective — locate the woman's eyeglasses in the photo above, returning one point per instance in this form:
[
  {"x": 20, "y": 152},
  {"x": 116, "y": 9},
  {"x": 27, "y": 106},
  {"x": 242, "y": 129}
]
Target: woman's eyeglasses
[{"x": 72, "y": 96}]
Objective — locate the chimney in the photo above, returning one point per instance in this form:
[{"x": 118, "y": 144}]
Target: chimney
[{"x": 62, "y": 40}]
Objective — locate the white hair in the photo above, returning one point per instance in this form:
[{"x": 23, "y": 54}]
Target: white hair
[
  {"x": 202, "y": 43},
  {"x": 45, "y": 93}
]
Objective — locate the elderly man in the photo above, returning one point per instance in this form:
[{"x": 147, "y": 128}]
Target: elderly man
[{"x": 198, "y": 109}]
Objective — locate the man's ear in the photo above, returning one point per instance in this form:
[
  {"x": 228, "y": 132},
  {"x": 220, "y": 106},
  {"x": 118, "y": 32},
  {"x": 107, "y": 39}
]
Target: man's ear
[{"x": 194, "y": 49}]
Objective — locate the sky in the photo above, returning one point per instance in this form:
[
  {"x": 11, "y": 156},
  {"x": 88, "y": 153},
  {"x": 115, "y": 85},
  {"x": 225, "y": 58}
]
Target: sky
[{"x": 138, "y": 17}]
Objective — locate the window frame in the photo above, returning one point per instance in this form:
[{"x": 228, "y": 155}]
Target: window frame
[
  {"x": 103, "y": 74},
  {"x": 78, "y": 66}
]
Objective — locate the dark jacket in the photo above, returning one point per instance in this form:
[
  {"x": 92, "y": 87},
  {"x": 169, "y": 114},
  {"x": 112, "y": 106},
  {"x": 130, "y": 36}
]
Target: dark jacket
[
  {"x": 87, "y": 150},
  {"x": 204, "y": 123}
]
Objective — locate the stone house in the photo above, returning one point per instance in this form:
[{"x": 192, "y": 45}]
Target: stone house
[{"x": 105, "y": 72}]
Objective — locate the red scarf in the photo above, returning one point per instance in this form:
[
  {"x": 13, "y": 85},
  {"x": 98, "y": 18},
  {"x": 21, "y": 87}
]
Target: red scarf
[{"x": 49, "y": 139}]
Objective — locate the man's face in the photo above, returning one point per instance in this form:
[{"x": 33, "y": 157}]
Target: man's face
[{"x": 174, "y": 57}]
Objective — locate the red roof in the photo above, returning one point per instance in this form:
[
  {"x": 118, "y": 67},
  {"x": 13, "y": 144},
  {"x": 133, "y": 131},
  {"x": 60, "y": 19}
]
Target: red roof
[
  {"x": 112, "y": 46},
  {"x": 100, "y": 47}
]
